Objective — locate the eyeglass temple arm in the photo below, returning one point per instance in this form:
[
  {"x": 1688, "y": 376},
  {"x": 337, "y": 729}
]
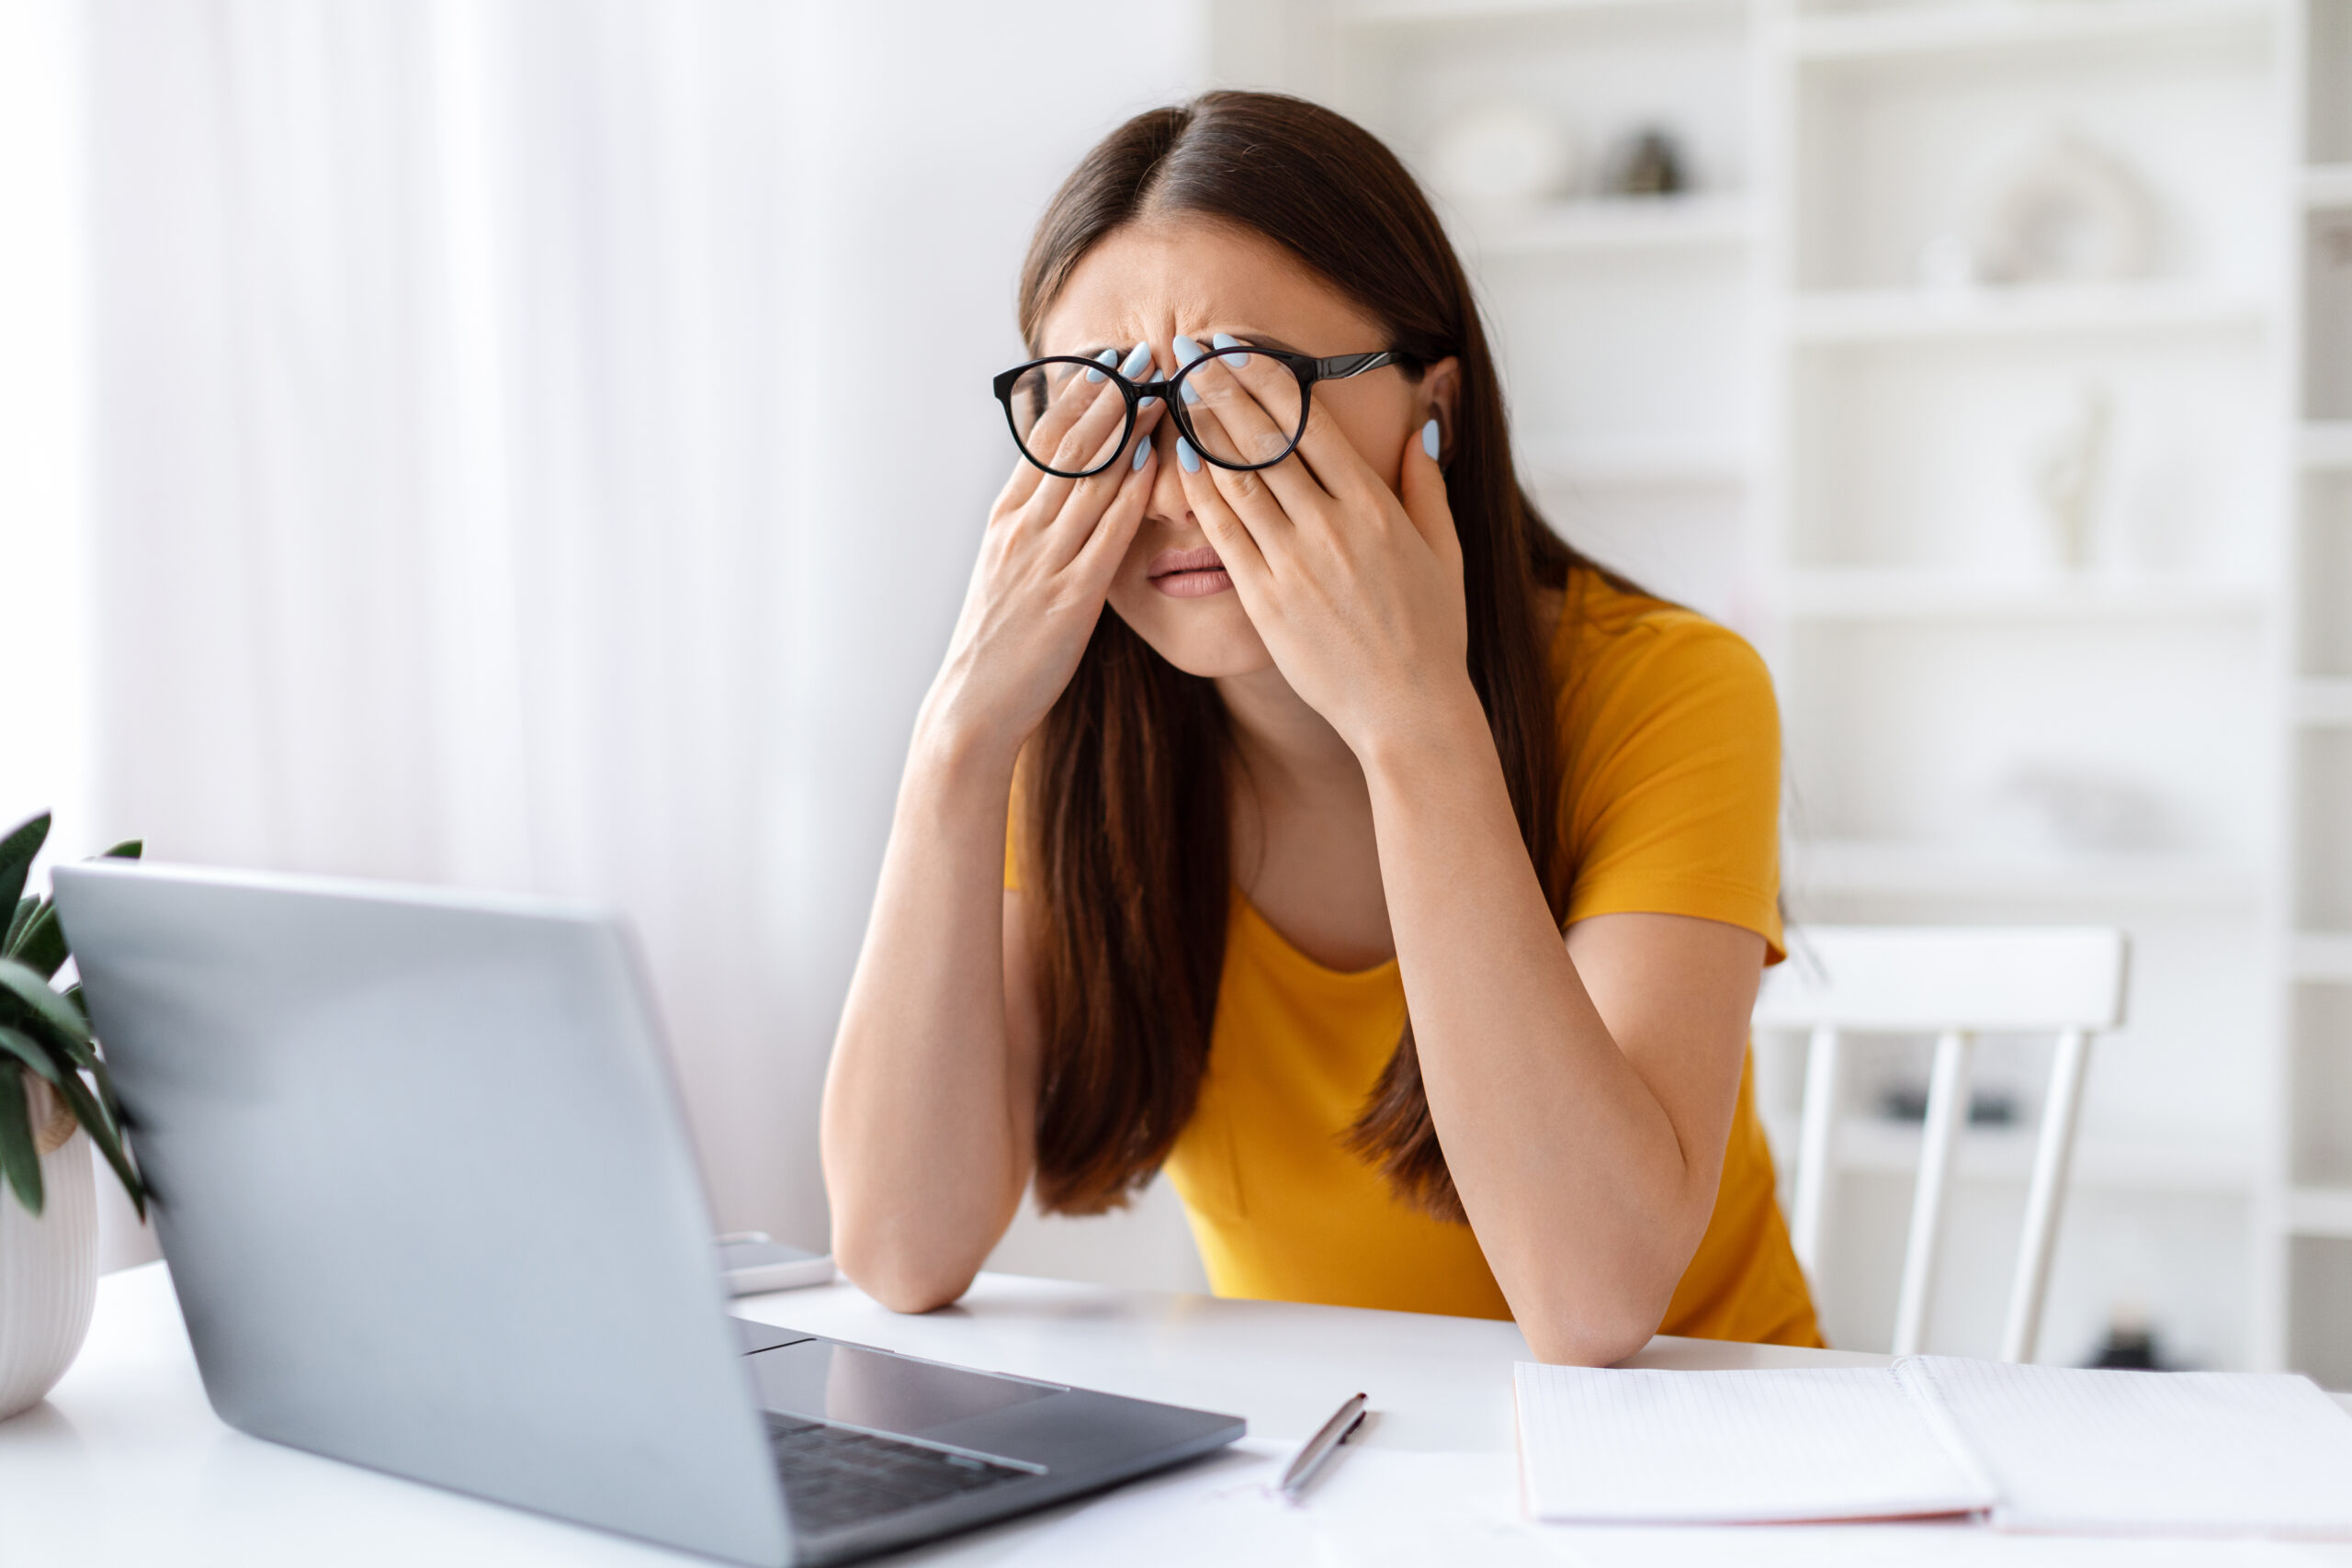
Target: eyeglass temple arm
[{"x": 1341, "y": 367}]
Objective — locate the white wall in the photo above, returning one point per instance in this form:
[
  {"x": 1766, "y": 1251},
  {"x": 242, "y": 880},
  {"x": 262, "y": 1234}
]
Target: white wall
[
  {"x": 934, "y": 134},
  {"x": 43, "y": 747},
  {"x": 488, "y": 483}
]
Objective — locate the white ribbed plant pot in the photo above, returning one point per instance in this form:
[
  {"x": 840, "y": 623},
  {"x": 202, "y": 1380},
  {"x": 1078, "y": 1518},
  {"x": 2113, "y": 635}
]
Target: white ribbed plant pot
[{"x": 49, "y": 1266}]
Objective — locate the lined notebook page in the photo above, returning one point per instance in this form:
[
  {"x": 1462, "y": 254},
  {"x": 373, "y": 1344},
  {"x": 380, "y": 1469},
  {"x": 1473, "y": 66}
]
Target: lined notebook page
[
  {"x": 2151, "y": 1453},
  {"x": 1636, "y": 1446}
]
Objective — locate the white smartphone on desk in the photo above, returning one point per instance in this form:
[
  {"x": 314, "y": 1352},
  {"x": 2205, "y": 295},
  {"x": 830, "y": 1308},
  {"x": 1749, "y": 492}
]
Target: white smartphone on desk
[{"x": 751, "y": 1264}]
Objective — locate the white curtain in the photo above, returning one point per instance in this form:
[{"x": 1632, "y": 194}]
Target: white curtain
[{"x": 540, "y": 443}]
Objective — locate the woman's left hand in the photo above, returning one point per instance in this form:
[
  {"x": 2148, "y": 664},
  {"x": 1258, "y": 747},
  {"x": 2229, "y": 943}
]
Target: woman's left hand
[{"x": 1356, "y": 591}]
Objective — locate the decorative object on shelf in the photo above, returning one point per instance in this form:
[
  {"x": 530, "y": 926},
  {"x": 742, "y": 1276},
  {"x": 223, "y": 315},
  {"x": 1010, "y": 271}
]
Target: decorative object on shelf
[
  {"x": 2057, "y": 809},
  {"x": 1908, "y": 1101},
  {"x": 2130, "y": 1343},
  {"x": 1648, "y": 162},
  {"x": 2069, "y": 212},
  {"x": 1502, "y": 154},
  {"x": 2069, "y": 470},
  {"x": 55, "y": 1103}
]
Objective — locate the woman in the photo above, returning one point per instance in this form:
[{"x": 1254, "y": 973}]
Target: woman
[{"x": 1290, "y": 836}]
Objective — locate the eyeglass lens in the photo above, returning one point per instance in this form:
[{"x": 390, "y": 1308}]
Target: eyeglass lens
[
  {"x": 1244, "y": 409},
  {"x": 1067, "y": 421}
]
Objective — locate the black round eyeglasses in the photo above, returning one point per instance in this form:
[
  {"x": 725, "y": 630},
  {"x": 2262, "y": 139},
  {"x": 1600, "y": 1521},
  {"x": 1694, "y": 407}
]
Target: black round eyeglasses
[{"x": 1240, "y": 407}]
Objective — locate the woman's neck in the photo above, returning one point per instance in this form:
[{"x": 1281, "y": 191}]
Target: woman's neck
[
  {"x": 1282, "y": 741},
  {"x": 1303, "y": 848}
]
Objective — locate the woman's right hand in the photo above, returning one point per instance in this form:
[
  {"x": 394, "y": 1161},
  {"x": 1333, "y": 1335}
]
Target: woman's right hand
[{"x": 1046, "y": 565}]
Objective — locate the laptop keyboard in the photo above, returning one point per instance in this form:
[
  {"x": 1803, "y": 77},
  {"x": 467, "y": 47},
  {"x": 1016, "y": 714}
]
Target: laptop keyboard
[{"x": 833, "y": 1476}]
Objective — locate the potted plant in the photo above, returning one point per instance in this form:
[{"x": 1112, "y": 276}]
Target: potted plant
[{"x": 54, "y": 1094}]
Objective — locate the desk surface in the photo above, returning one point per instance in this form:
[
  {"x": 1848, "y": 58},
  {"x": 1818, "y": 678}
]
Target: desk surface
[{"x": 127, "y": 1464}]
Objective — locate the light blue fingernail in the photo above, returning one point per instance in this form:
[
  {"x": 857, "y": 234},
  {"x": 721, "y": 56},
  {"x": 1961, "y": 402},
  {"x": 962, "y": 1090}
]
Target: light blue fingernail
[
  {"x": 1108, "y": 357},
  {"x": 1186, "y": 456},
  {"x": 1138, "y": 361},
  {"x": 1226, "y": 340},
  {"x": 1429, "y": 438},
  {"x": 1186, "y": 350},
  {"x": 1145, "y": 404},
  {"x": 1143, "y": 455}
]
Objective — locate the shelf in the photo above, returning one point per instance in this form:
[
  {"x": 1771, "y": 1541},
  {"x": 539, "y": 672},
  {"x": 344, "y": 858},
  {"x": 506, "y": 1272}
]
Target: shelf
[
  {"x": 1929, "y": 871},
  {"x": 1614, "y": 225},
  {"x": 2320, "y": 1211},
  {"x": 1925, "y": 31},
  {"x": 1880, "y": 593},
  {"x": 2328, "y": 186},
  {"x": 1629, "y": 465},
  {"x": 2324, "y": 702},
  {"x": 1871, "y": 1145},
  {"x": 2327, "y": 444},
  {"x": 1383, "y": 13},
  {"x": 1897, "y": 315},
  {"x": 2324, "y": 956}
]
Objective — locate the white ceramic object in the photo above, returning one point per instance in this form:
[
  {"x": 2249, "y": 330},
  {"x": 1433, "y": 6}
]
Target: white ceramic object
[
  {"x": 1502, "y": 154},
  {"x": 49, "y": 1266},
  {"x": 2070, "y": 212}
]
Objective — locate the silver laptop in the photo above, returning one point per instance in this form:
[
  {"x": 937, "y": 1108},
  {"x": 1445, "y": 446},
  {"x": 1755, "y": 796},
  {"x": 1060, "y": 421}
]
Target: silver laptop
[{"x": 422, "y": 1178}]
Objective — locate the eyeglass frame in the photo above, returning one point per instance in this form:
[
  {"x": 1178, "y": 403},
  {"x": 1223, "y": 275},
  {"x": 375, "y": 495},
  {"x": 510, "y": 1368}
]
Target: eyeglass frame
[{"x": 1308, "y": 369}]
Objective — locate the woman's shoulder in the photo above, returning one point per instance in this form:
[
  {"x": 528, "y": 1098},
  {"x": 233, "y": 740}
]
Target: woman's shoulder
[{"x": 1615, "y": 646}]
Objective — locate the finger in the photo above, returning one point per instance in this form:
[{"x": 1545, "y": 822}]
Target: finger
[
  {"x": 1236, "y": 545},
  {"x": 1064, "y": 534},
  {"x": 1426, "y": 503},
  {"x": 1244, "y": 408},
  {"x": 1056, "y": 394},
  {"x": 1080, "y": 443},
  {"x": 1098, "y": 558},
  {"x": 1088, "y": 497},
  {"x": 1337, "y": 465},
  {"x": 1247, "y": 496}
]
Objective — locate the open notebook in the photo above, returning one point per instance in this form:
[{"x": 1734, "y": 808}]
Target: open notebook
[{"x": 2040, "y": 1448}]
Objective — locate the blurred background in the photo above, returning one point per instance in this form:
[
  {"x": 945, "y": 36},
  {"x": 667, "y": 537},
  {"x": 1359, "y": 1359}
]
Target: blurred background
[{"x": 438, "y": 441}]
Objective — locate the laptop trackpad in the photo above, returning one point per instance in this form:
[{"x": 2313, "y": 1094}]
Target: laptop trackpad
[{"x": 820, "y": 1381}]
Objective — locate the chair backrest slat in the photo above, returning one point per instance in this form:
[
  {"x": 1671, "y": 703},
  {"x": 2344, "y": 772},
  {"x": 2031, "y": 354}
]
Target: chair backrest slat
[
  {"x": 1926, "y": 980},
  {"x": 1956, "y": 983}
]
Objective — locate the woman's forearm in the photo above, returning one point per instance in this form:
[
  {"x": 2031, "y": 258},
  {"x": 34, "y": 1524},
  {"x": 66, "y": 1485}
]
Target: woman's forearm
[
  {"x": 926, "y": 1126},
  {"x": 1565, "y": 1159}
]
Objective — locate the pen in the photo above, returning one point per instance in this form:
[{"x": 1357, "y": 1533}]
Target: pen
[{"x": 1322, "y": 1447}]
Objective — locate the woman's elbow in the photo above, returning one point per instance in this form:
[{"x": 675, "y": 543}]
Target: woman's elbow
[
  {"x": 1587, "y": 1340},
  {"x": 1586, "y": 1327},
  {"x": 896, "y": 1277}
]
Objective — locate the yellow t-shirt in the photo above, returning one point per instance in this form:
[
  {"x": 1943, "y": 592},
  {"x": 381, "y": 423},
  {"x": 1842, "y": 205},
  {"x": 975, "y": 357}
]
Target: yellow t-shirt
[{"x": 1670, "y": 743}]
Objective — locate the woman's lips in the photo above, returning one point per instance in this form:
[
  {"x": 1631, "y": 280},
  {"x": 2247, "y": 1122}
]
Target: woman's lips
[{"x": 1189, "y": 574}]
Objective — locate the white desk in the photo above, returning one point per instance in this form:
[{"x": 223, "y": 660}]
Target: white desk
[{"x": 126, "y": 1464}]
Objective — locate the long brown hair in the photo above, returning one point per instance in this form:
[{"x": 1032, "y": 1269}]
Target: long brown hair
[{"x": 1124, "y": 847}]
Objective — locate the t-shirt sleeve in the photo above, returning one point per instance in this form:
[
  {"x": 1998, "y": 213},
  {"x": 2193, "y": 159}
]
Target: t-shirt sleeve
[{"x": 1674, "y": 785}]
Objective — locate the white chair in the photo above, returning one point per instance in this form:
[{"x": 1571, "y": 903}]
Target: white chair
[{"x": 1954, "y": 982}]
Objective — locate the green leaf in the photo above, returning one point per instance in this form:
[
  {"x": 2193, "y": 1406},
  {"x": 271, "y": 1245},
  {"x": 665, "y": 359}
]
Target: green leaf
[
  {"x": 17, "y": 852},
  {"x": 20, "y": 1157},
  {"x": 73, "y": 994},
  {"x": 26, "y": 1049},
  {"x": 27, "y": 996},
  {"x": 40, "y": 946},
  {"x": 129, "y": 848},
  {"x": 107, "y": 1095},
  {"x": 26, "y": 907},
  {"x": 100, "y": 1118}
]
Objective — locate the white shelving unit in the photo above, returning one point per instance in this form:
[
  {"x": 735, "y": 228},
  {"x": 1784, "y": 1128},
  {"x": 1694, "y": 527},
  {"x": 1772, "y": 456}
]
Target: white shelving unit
[
  {"x": 1762, "y": 396},
  {"x": 1982, "y": 729},
  {"x": 2307, "y": 1198}
]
